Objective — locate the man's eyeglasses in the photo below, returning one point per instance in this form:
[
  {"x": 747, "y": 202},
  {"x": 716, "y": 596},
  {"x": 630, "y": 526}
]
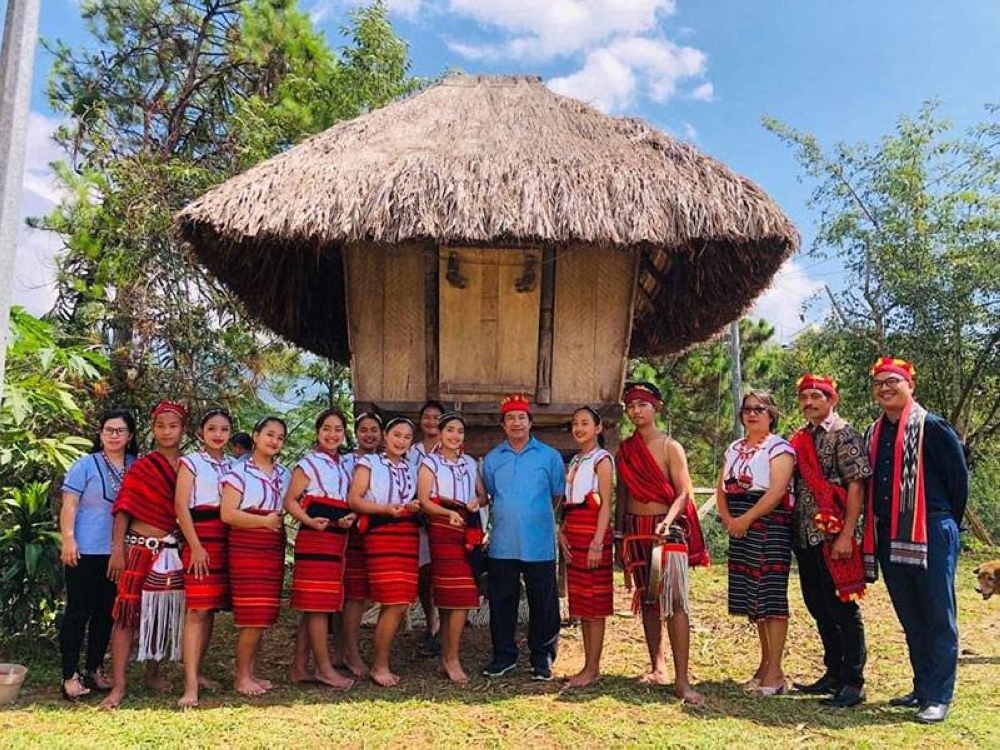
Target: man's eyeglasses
[
  {"x": 114, "y": 431},
  {"x": 887, "y": 383},
  {"x": 758, "y": 410}
]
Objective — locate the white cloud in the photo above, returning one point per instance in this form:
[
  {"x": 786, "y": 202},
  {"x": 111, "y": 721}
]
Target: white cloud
[
  {"x": 552, "y": 28},
  {"x": 614, "y": 75},
  {"x": 40, "y": 152},
  {"x": 690, "y": 133},
  {"x": 783, "y": 305},
  {"x": 705, "y": 92}
]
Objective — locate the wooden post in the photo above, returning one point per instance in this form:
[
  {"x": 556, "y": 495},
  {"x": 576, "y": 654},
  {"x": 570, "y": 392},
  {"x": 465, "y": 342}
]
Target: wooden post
[
  {"x": 431, "y": 342},
  {"x": 543, "y": 391}
]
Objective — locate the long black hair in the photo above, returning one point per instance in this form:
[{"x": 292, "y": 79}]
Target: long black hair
[{"x": 132, "y": 447}]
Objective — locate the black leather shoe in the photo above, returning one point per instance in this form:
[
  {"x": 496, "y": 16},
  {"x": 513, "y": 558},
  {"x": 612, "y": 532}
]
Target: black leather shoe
[
  {"x": 825, "y": 685},
  {"x": 910, "y": 700},
  {"x": 932, "y": 713},
  {"x": 846, "y": 697}
]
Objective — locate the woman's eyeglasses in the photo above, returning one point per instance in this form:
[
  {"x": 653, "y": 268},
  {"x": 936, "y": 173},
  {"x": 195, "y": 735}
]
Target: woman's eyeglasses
[
  {"x": 114, "y": 431},
  {"x": 758, "y": 410}
]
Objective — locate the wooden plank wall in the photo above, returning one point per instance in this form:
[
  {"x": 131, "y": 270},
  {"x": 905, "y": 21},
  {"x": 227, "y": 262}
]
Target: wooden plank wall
[
  {"x": 386, "y": 318},
  {"x": 593, "y": 314},
  {"x": 488, "y": 329}
]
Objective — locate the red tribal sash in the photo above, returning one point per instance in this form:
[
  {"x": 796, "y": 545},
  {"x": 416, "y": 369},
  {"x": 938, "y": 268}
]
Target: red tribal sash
[
  {"x": 646, "y": 484},
  {"x": 147, "y": 492},
  {"x": 831, "y": 505},
  {"x": 908, "y": 525}
]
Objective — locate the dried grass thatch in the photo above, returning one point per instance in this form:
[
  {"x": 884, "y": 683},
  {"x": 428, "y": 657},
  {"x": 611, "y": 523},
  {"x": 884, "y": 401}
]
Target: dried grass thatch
[{"x": 489, "y": 160}]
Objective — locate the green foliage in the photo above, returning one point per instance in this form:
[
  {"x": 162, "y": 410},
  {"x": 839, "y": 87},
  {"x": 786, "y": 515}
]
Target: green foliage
[
  {"x": 172, "y": 98},
  {"x": 697, "y": 395},
  {"x": 47, "y": 377},
  {"x": 915, "y": 222},
  {"x": 31, "y": 577}
]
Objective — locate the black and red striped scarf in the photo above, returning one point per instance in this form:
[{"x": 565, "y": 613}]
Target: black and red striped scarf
[{"x": 908, "y": 521}]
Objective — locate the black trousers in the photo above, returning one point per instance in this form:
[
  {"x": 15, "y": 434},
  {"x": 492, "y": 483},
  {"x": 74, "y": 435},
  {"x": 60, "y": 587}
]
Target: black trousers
[
  {"x": 839, "y": 623},
  {"x": 90, "y": 597},
  {"x": 504, "y": 590}
]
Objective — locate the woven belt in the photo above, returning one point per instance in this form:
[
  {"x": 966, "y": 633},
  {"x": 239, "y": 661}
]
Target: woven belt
[{"x": 151, "y": 543}]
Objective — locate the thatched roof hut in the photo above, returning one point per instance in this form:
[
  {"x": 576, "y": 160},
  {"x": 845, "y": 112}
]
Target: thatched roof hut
[{"x": 479, "y": 161}]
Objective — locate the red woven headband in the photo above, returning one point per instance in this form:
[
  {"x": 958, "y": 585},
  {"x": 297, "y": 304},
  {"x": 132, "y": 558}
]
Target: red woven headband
[
  {"x": 640, "y": 393},
  {"x": 818, "y": 382},
  {"x": 173, "y": 407},
  {"x": 515, "y": 402},
  {"x": 898, "y": 366}
]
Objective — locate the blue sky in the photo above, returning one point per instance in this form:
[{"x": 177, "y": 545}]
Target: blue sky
[{"x": 705, "y": 71}]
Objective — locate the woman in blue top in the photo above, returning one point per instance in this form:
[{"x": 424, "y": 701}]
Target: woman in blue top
[{"x": 85, "y": 522}]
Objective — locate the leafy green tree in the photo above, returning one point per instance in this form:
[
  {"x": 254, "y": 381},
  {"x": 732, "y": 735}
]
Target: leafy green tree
[
  {"x": 914, "y": 220},
  {"x": 173, "y": 97},
  {"x": 50, "y": 380}
]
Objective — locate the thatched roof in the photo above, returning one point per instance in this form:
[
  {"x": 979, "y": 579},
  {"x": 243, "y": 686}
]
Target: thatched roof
[{"x": 486, "y": 160}]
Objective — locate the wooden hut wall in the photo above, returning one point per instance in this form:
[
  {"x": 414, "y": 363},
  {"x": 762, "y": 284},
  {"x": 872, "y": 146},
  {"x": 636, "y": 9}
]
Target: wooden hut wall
[
  {"x": 488, "y": 322},
  {"x": 386, "y": 319},
  {"x": 593, "y": 322}
]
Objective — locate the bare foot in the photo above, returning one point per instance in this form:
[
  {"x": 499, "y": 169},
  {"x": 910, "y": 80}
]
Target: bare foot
[
  {"x": 114, "y": 699},
  {"x": 356, "y": 666},
  {"x": 299, "y": 676},
  {"x": 262, "y": 683},
  {"x": 335, "y": 680},
  {"x": 157, "y": 684},
  {"x": 582, "y": 679},
  {"x": 206, "y": 684},
  {"x": 654, "y": 678},
  {"x": 189, "y": 699},
  {"x": 689, "y": 695},
  {"x": 384, "y": 678},
  {"x": 249, "y": 686},
  {"x": 454, "y": 672}
]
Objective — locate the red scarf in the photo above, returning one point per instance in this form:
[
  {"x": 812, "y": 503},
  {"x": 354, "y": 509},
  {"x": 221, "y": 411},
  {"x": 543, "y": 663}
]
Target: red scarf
[
  {"x": 646, "y": 483},
  {"x": 908, "y": 526},
  {"x": 147, "y": 492},
  {"x": 831, "y": 504}
]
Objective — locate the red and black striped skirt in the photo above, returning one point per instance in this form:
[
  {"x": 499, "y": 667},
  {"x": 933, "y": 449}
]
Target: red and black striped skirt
[
  {"x": 355, "y": 567},
  {"x": 210, "y": 592},
  {"x": 318, "y": 577},
  {"x": 128, "y": 601},
  {"x": 640, "y": 536},
  {"x": 591, "y": 590},
  {"x": 256, "y": 575},
  {"x": 452, "y": 577},
  {"x": 392, "y": 552}
]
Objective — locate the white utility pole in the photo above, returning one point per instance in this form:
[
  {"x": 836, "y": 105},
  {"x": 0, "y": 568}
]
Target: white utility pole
[
  {"x": 17, "y": 61},
  {"x": 737, "y": 384}
]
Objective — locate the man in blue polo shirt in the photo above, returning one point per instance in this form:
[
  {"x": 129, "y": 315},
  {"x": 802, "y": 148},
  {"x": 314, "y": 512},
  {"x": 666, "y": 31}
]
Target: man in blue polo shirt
[{"x": 525, "y": 479}]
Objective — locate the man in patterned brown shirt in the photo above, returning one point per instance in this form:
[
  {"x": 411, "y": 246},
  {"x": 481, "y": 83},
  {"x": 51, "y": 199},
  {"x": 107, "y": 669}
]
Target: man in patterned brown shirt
[{"x": 843, "y": 460}]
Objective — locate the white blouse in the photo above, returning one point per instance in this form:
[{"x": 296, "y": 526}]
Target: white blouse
[
  {"x": 581, "y": 476},
  {"x": 749, "y": 467},
  {"x": 206, "y": 490},
  {"x": 390, "y": 484},
  {"x": 258, "y": 491},
  {"x": 329, "y": 476},
  {"x": 453, "y": 480}
]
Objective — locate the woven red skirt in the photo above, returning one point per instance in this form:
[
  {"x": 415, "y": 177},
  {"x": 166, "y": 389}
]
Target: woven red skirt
[
  {"x": 452, "y": 579},
  {"x": 256, "y": 575},
  {"x": 392, "y": 551},
  {"x": 211, "y": 592},
  {"x": 318, "y": 577},
  {"x": 128, "y": 601},
  {"x": 355, "y": 567},
  {"x": 640, "y": 536},
  {"x": 591, "y": 590}
]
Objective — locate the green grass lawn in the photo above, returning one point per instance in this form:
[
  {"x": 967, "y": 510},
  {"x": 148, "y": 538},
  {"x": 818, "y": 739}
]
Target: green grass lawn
[{"x": 425, "y": 711}]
